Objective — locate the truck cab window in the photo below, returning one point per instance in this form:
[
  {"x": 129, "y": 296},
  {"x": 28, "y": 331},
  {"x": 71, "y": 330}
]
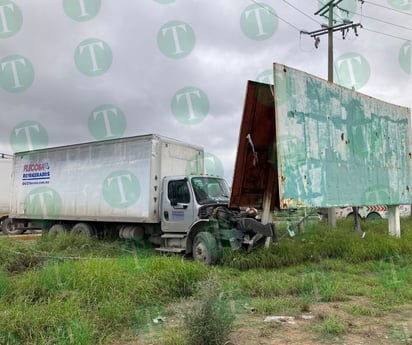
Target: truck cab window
[
  {"x": 178, "y": 192},
  {"x": 210, "y": 190}
]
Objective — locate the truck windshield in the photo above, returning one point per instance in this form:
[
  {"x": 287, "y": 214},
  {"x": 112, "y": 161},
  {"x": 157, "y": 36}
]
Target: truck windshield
[{"x": 210, "y": 190}]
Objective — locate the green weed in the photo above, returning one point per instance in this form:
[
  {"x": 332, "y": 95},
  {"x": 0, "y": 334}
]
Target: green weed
[
  {"x": 209, "y": 319},
  {"x": 331, "y": 326},
  {"x": 38, "y": 323},
  {"x": 16, "y": 257},
  {"x": 269, "y": 328},
  {"x": 322, "y": 243},
  {"x": 71, "y": 332},
  {"x": 100, "y": 295},
  {"x": 76, "y": 290},
  {"x": 4, "y": 283},
  {"x": 285, "y": 305},
  {"x": 402, "y": 334},
  {"x": 177, "y": 275},
  {"x": 77, "y": 245},
  {"x": 262, "y": 283},
  {"x": 320, "y": 286},
  {"x": 359, "y": 310},
  {"x": 174, "y": 336}
]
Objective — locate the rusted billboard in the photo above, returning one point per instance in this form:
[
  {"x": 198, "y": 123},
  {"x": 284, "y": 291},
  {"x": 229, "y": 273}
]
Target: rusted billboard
[
  {"x": 255, "y": 169},
  {"x": 334, "y": 146}
]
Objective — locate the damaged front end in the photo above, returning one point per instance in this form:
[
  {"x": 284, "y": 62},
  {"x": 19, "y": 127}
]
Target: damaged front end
[{"x": 239, "y": 230}]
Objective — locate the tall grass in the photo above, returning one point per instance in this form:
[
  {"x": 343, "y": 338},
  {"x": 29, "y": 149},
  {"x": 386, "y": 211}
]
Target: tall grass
[
  {"x": 4, "y": 283},
  {"x": 78, "y": 245},
  {"x": 324, "y": 265},
  {"x": 17, "y": 256},
  {"x": 74, "y": 290},
  {"x": 320, "y": 243},
  {"x": 332, "y": 326},
  {"x": 87, "y": 299}
]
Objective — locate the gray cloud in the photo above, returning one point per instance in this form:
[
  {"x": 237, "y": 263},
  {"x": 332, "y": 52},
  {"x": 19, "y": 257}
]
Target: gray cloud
[{"x": 142, "y": 81}]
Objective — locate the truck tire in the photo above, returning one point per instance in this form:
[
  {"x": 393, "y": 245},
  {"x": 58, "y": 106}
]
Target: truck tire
[
  {"x": 373, "y": 216},
  {"x": 205, "y": 248},
  {"x": 9, "y": 228},
  {"x": 83, "y": 228},
  {"x": 58, "y": 228}
]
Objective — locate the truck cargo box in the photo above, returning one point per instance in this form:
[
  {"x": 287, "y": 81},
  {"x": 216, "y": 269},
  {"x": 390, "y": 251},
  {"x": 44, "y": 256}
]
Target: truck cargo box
[
  {"x": 116, "y": 180},
  {"x": 5, "y": 185}
]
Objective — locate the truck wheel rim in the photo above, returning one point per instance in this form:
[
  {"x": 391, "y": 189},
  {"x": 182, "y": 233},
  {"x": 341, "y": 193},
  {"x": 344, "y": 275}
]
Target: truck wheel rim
[{"x": 201, "y": 252}]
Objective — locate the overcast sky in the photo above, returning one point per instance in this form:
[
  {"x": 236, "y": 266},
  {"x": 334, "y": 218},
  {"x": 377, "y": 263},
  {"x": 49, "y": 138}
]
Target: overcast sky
[{"x": 81, "y": 70}]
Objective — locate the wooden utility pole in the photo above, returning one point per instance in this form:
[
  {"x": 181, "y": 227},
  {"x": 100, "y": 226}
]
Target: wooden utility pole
[{"x": 330, "y": 29}]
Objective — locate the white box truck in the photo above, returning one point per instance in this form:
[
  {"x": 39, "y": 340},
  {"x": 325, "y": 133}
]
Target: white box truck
[
  {"x": 139, "y": 187},
  {"x": 5, "y": 185}
]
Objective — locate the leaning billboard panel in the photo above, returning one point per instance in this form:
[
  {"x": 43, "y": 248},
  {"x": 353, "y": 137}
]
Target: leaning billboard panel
[{"x": 338, "y": 147}]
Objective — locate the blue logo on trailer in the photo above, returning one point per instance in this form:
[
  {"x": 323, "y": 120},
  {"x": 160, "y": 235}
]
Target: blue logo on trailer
[{"x": 36, "y": 173}]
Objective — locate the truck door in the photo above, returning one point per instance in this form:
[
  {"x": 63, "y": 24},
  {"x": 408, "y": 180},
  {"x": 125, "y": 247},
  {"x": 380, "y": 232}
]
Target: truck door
[{"x": 177, "y": 205}]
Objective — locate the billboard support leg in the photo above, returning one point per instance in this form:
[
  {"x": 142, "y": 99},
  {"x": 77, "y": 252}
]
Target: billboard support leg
[
  {"x": 356, "y": 217},
  {"x": 332, "y": 217},
  {"x": 394, "y": 222},
  {"x": 267, "y": 214}
]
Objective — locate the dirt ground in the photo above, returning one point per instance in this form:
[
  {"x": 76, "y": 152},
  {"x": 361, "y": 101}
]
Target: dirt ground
[
  {"x": 388, "y": 329},
  {"x": 251, "y": 329}
]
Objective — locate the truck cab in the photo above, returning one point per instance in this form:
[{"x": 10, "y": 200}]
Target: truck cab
[
  {"x": 196, "y": 219},
  {"x": 186, "y": 198},
  {"x": 187, "y": 203}
]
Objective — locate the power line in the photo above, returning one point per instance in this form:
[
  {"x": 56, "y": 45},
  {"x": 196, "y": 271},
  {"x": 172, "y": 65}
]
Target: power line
[
  {"x": 381, "y": 21},
  {"x": 386, "y": 7},
  {"x": 386, "y": 34},
  {"x": 362, "y": 15},
  {"x": 300, "y": 11},
  {"x": 276, "y": 15},
  {"x": 285, "y": 21}
]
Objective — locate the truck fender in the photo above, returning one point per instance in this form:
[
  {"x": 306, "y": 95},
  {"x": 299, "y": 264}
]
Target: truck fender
[{"x": 195, "y": 228}]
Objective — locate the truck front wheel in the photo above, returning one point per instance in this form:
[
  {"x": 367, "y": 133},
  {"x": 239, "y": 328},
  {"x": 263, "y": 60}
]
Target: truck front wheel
[
  {"x": 205, "y": 248},
  {"x": 9, "y": 228}
]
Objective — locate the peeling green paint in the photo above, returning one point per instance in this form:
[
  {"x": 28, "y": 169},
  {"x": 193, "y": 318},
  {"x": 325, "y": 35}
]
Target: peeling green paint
[{"x": 337, "y": 147}]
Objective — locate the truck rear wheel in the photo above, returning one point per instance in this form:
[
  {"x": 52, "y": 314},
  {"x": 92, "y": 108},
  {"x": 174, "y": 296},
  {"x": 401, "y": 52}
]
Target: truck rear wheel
[
  {"x": 373, "y": 216},
  {"x": 10, "y": 228},
  {"x": 58, "y": 228},
  {"x": 83, "y": 228},
  {"x": 205, "y": 248}
]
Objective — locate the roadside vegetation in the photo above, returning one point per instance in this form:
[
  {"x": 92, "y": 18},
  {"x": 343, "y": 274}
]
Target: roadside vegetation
[{"x": 64, "y": 289}]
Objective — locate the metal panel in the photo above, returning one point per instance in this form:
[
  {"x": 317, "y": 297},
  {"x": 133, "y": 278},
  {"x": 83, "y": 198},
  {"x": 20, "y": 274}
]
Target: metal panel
[
  {"x": 255, "y": 168},
  {"x": 337, "y": 147}
]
